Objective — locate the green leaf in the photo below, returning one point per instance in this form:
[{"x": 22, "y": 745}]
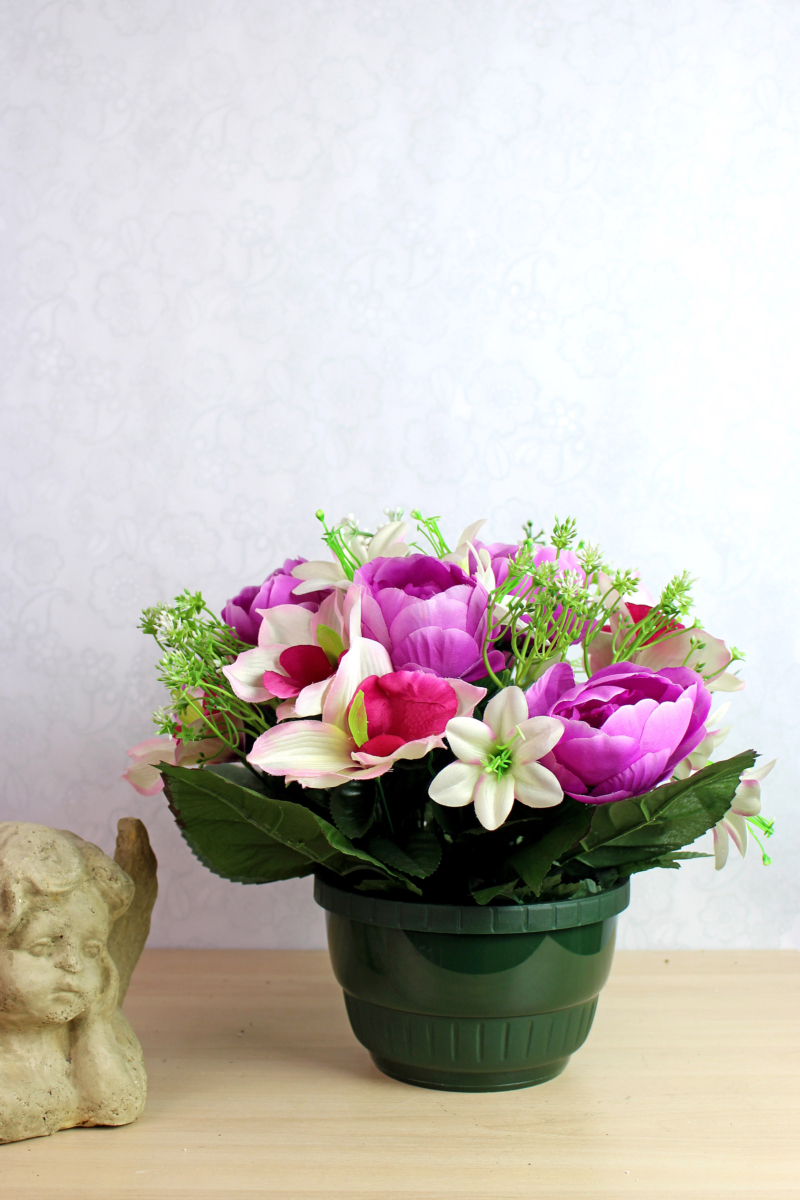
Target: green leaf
[
  {"x": 353, "y": 808},
  {"x": 249, "y": 837},
  {"x": 509, "y": 891},
  {"x": 357, "y": 719},
  {"x": 329, "y": 641},
  {"x": 237, "y": 772},
  {"x": 419, "y": 856},
  {"x": 670, "y": 861},
  {"x": 664, "y": 820},
  {"x": 533, "y": 862},
  {"x": 387, "y": 885}
]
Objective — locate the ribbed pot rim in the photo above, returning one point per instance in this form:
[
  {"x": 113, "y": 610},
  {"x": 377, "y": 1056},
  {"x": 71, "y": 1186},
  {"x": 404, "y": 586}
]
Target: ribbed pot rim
[{"x": 457, "y": 918}]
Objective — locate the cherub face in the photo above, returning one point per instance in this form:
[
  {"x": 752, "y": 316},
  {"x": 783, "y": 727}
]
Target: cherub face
[{"x": 54, "y": 965}]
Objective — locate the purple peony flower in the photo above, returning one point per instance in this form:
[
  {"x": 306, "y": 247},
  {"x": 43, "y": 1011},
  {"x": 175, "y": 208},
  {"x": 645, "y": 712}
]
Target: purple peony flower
[
  {"x": 241, "y": 613},
  {"x": 625, "y": 729},
  {"x": 428, "y": 614}
]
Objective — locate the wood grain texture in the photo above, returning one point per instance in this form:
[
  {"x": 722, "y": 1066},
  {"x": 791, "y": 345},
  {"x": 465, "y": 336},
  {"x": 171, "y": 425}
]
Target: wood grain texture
[{"x": 689, "y": 1086}]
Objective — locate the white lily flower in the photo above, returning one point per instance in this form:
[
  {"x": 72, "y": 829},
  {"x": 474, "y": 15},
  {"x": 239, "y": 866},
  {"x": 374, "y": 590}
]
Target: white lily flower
[
  {"x": 715, "y": 736},
  {"x": 460, "y": 556},
  {"x": 498, "y": 760},
  {"x": 483, "y": 572},
  {"x": 746, "y": 803},
  {"x": 386, "y": 543}
]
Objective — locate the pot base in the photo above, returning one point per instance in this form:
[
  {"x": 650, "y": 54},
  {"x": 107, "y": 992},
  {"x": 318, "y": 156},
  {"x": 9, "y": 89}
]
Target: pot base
[
  {"x": 469, "y": 1081},
  {"x": 470, "y": 1054}
]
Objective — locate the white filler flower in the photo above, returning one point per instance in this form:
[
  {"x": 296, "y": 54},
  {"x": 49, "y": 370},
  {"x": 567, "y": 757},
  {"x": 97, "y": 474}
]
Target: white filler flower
[{"x": 499, "y": 760}]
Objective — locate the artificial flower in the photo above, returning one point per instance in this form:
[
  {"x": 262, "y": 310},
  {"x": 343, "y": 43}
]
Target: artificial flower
[
  {"x": 386, "y": 543},
  {"x": 746, "y": 803},
  {"x": 680, "y": 647},
  {"x": 144, "y": 775},
  {"x": 429, "y": 615},
  {"x": 244, "y": 612},
  {"x": 625, "y": 729},
  {"x": 297, "y": 654},
  {"x": 715, "y": 736},
  {"x": 371, "y": 717},
  {"x": 499, "y": 760}
]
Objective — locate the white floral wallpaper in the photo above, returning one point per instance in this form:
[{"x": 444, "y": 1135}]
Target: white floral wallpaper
[{"x": 496, "y": 258}]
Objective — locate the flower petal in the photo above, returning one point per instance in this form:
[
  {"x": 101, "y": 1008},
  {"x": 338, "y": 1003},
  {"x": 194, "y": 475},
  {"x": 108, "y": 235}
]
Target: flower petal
[
  {"x": 409, "y": 750},
  {"x": 318, "y": 569},
  {"x": 757, "y": 772},
  {"x": 364, "y": 658},
  {"x": 467, "y": 695},
  {"x": 143, "y": 773},
  {"x": 385, "y": 538},
  {"x": 726, "y": 682},
  {"x": 505, "y": 712},
  {"x": 207, "y": 749},
  {"x": 246, "y": 674},
  {"x": 302, "y": 749},
  {"x": 145, "y": 778},
  {"x": 538, "y": 735},
  {"x": 470, "y": 740},
  {"x": 535, "y": 786},
  {"x": 737, "y": 830},
  {"x": 455, "y": 785},
  {"x": 285, "y": 625},
  {"x": 721, "y": 844},
  {"x": 494, "y": 798},
  {"x": 747, "y": 798},
  {"x": 471, "y": 532},
  {"x": 311, "y": 698}
]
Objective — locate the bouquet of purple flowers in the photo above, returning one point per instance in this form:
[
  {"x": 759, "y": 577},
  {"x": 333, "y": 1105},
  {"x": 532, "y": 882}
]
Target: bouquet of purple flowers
[{"x": 496, "y": 723}]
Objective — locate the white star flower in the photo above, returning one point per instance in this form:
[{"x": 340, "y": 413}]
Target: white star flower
[{"x": 498, "y": 760}]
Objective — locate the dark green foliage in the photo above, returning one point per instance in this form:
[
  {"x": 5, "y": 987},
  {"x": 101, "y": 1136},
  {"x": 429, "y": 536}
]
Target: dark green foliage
[
  {"x": 533, "y": 862},
  {"x": 386, "y": 836},
  {"x": 249, "y": 837},
  {"x": 353, "y": 807},
  {"x": 419, "y": 856},
  {"x": 662, "y": 821}
]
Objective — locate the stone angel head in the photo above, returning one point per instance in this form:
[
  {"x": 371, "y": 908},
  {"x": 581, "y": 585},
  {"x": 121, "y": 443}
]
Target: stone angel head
[{"x": 67, "y": 1054}]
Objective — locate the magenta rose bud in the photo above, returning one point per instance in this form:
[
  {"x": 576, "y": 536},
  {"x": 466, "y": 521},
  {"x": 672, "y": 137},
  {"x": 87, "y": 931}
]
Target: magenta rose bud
[
  {"x": 429, "y": 615},
  {"x": 241, "y": 613},
  {"x": 404, "y": 707},
  {"x": 625, "y": 729}
]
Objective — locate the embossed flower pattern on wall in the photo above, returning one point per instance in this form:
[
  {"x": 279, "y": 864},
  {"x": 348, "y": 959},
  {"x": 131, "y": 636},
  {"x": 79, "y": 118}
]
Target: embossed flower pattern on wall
[{"x": 509, "y": 257}]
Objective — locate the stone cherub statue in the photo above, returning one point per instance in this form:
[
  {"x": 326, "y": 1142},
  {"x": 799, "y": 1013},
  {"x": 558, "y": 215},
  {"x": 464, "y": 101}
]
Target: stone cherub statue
[{"x": 73, "y": 923}]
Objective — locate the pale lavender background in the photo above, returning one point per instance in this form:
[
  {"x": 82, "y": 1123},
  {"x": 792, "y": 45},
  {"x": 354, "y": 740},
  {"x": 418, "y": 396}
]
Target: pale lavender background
[{"x": 488, "y": 257}]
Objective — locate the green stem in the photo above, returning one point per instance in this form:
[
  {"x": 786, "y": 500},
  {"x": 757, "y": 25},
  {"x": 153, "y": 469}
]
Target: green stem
[{"x": 384, "y": 805}]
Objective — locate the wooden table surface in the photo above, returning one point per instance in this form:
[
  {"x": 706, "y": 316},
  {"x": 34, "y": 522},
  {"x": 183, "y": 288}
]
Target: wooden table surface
[{"x": 689, "y": 1086}]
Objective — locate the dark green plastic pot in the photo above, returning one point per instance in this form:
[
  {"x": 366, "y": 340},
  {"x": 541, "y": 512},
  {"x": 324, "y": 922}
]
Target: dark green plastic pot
[{"x": 471, "y": 999}]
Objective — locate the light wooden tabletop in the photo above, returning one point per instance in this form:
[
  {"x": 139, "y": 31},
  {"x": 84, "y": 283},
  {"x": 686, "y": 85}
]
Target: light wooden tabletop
[{"x": 689, "y": 1086}]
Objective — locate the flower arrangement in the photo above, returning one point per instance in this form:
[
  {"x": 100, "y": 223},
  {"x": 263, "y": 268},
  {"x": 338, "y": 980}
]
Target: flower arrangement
[{"x": 496, "y": 723}]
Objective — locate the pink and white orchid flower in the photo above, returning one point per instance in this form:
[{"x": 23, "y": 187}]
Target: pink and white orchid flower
[
  {"x": 693, "y": 648},
  {"x": 499, "y": 760},
  {"x": 746, "y": 803},
  {"x": 372, "y": 716},
  {"x": 386, "y": 543},
  {"x": 144, "y": 775},
  {"x": 297, "y": 654}
]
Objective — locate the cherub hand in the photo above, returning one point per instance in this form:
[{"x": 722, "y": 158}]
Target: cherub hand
[{"x": 103, "y": 1003}]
